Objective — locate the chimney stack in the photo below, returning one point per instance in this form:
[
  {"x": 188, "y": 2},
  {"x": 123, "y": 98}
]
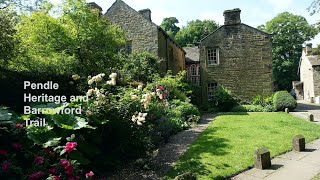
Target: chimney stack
[
  {"x": 146, "y": 13},
  {"x": 95, "y": 6},
  {"x": 232, "y": 17},
  {"x": 309, "y": 48}
]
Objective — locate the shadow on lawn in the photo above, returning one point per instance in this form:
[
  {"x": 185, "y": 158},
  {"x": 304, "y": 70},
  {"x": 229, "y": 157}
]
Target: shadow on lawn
[{"x": 207, "y": 145}]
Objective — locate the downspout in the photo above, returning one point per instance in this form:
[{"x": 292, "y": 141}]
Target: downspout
[{"x": 167, "y": 54}]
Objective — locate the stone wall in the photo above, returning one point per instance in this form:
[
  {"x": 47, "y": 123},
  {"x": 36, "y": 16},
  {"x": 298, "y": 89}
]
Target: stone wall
[
  {"x": 138, "y": 29},
  {"x": 306, "y": 76},
  {"x": 316, "y": 78},
  {"x": 169, "y": 49},
  {"x": 245, "y": 56}
]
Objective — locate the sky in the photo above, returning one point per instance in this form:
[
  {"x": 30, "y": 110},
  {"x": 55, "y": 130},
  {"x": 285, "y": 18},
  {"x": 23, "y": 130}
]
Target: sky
[{"x": 253, "y": 12}]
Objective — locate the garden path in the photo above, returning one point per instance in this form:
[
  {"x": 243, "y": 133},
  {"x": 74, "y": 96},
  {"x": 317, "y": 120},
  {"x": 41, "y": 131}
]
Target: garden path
[
  {"x": 167, "y": 154},
  {"x": 290, "y": 166},
  {"x": 304, "y": 109}
]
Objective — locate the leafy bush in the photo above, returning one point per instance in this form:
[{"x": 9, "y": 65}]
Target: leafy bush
[
  {"x": 248, "y": 108},
  {"x": 282, "y": 100},
  {"x": 222, "y": 100},
  {"x": 141, "y": 67}
]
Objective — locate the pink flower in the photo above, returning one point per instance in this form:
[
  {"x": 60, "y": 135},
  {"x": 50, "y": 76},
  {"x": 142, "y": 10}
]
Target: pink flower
[
  {"x": 3, "y": 152},
  {"x": 36, "y": 175},
  {"x": 63, "y": 163},
  {"x": 56, "y": 178},
  {"x": 6, "y": 166},
  {"x": 17, "y": 146},
  {"x": 70, "y": 146},
  {"x": 90, "y": 174},
  {"x": 38, "y": 160},
  {"x": 68, "y": 170},
  {"x": 53, "y": 171},
  {"x": 19, "y": 125}
]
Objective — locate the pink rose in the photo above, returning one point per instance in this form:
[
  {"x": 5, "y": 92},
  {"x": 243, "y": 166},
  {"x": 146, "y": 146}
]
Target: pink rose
[
  {"x": 36, "y": 175},
  {"x": 53, "y": 171},
  {"x": 19, "y": 125},
  {"x": 38, "y": 160},
  {"x": 3, "y": 152},
  {"x": 56, "y": 178},
  {"x": 17, "y": 146},
  {"x": 68, "y": 170},
  {"x": 6, "y": 166},
  {"x": 90, "y": 174},
  {"x": 70, "y": 146},
  {"x": 63, "y": 163}
]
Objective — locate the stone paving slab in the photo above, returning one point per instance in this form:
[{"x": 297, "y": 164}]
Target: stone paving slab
[{"x": 289, "y": 166}]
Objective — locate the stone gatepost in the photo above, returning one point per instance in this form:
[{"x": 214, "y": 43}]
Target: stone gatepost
[
  {"x": 298, "y": 143},
  {"x": 311, "y": 117},
  {"x": 262, "y": 158},
  {"x": 287, "y": 110}
]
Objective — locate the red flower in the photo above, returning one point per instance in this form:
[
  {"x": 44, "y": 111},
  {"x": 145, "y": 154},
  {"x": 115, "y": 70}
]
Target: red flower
[
  {"x": 160, "y": 87},
  {"x": 56, "y": 178},
  {"x": 53, "y": 171},
  {"x": 90, "y": 174},
  {"x": 36, "y": 175},
  {"x": 68, "y": 170},
  {"x": 3, "y": 152},
  {"x": 17, "y": 146},
  {"x": 70, "y": 146},
  {"x": 19, "y": 125},
  {"x": 63, "y": 163},
  {"x": 38, "y": 160},
  {"x": 6, "y": 166}
]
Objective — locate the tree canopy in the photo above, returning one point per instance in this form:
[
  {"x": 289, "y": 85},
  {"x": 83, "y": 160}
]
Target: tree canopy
[
  {"x": 290, "y": 32},
  {"x": 195, "y": 31},
  {"x": 169, "y": 25}
]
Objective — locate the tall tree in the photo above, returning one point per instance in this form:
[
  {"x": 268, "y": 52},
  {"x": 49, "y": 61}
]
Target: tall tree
[
  {"x": 195, "y": 31},
  {"x": 290, "y": 32},
  {"x": 170, "y": 26}
]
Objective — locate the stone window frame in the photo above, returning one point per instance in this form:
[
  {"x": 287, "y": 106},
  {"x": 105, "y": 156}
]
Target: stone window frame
[
  {"x": 215, "y": 55},
  {"x": 193, "y": 70},
  {"x": 212, "y": 88}
]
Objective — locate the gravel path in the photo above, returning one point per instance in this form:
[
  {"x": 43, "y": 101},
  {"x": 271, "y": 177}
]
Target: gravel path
[{"x": 167, "y": 154}]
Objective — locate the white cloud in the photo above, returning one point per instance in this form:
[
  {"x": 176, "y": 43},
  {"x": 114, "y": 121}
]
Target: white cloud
[
  {"x": 158, "y": 15},
  {"x": 280, "y": 5}
]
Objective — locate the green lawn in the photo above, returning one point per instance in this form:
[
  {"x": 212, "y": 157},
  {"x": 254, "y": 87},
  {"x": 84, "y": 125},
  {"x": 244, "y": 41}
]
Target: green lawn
[{"x": 227, "y": 146}]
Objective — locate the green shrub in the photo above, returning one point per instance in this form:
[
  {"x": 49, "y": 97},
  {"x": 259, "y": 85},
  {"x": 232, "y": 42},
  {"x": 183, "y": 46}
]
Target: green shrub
[
  {"x": 282, "y": 100},
  {"x": 248, "y": 108},
  {"x": 222, "y": 100}
]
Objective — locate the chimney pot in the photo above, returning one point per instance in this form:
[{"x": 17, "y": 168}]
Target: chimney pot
[
  {"x": 232, "y": 17},
  {"x": 146, "y": 13}
]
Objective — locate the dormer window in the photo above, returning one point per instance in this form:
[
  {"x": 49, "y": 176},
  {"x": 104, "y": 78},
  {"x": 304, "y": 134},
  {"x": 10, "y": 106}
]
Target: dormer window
[{"x": 213, "y": 56}]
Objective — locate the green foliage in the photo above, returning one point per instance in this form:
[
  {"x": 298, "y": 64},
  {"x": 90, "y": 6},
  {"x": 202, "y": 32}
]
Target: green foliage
[
  {"x": 248, "y": 108},
  {"x": 314, "y": 7},
  {"x": 141, "y": 67},
  {"x": 195, "y": 31},
  {"x": 7, "y": 30},
  {"x": 77, "y": 41},
  {"x": 169, "y": 25},
  {"x": 290, "y": 32},
  {"x": 222, "y": 100},
  {"x": 282, "y": 100}
]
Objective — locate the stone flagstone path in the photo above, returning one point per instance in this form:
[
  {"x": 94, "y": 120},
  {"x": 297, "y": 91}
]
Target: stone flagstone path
[{"x": 290, "y": 166}]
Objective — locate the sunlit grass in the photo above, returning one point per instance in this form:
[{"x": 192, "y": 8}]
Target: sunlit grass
[{"x": 228, "y": 144}]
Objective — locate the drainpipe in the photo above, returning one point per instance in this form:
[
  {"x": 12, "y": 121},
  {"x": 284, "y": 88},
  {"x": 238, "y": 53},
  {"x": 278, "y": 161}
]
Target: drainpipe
[{"x": 167, "y": 55}]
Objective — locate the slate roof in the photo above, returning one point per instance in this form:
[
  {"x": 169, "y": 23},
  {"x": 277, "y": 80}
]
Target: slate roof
[
  {"x": 314, "y": 60},
  {"x": 192, "y": 54}
]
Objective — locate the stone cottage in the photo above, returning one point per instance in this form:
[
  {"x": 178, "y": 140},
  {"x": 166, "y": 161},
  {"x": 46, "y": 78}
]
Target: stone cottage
[
  {"x": 144, "y": 35},
  {"x": 237, "y": 57},
  {"x": 308, "y": 88},
  {"x": 193, "y": 64}
]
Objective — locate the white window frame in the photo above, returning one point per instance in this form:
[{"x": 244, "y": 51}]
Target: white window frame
[
  {"x": 212, "y": 88},
  {"x": 213, "y": 56}
]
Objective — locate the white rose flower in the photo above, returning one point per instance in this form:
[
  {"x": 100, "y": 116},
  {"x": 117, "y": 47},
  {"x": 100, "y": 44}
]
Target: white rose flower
[
  {"x": 75, "y": 77},
  {"x": 140, "y": 87},
  {"x": 90, "y": 92}
]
